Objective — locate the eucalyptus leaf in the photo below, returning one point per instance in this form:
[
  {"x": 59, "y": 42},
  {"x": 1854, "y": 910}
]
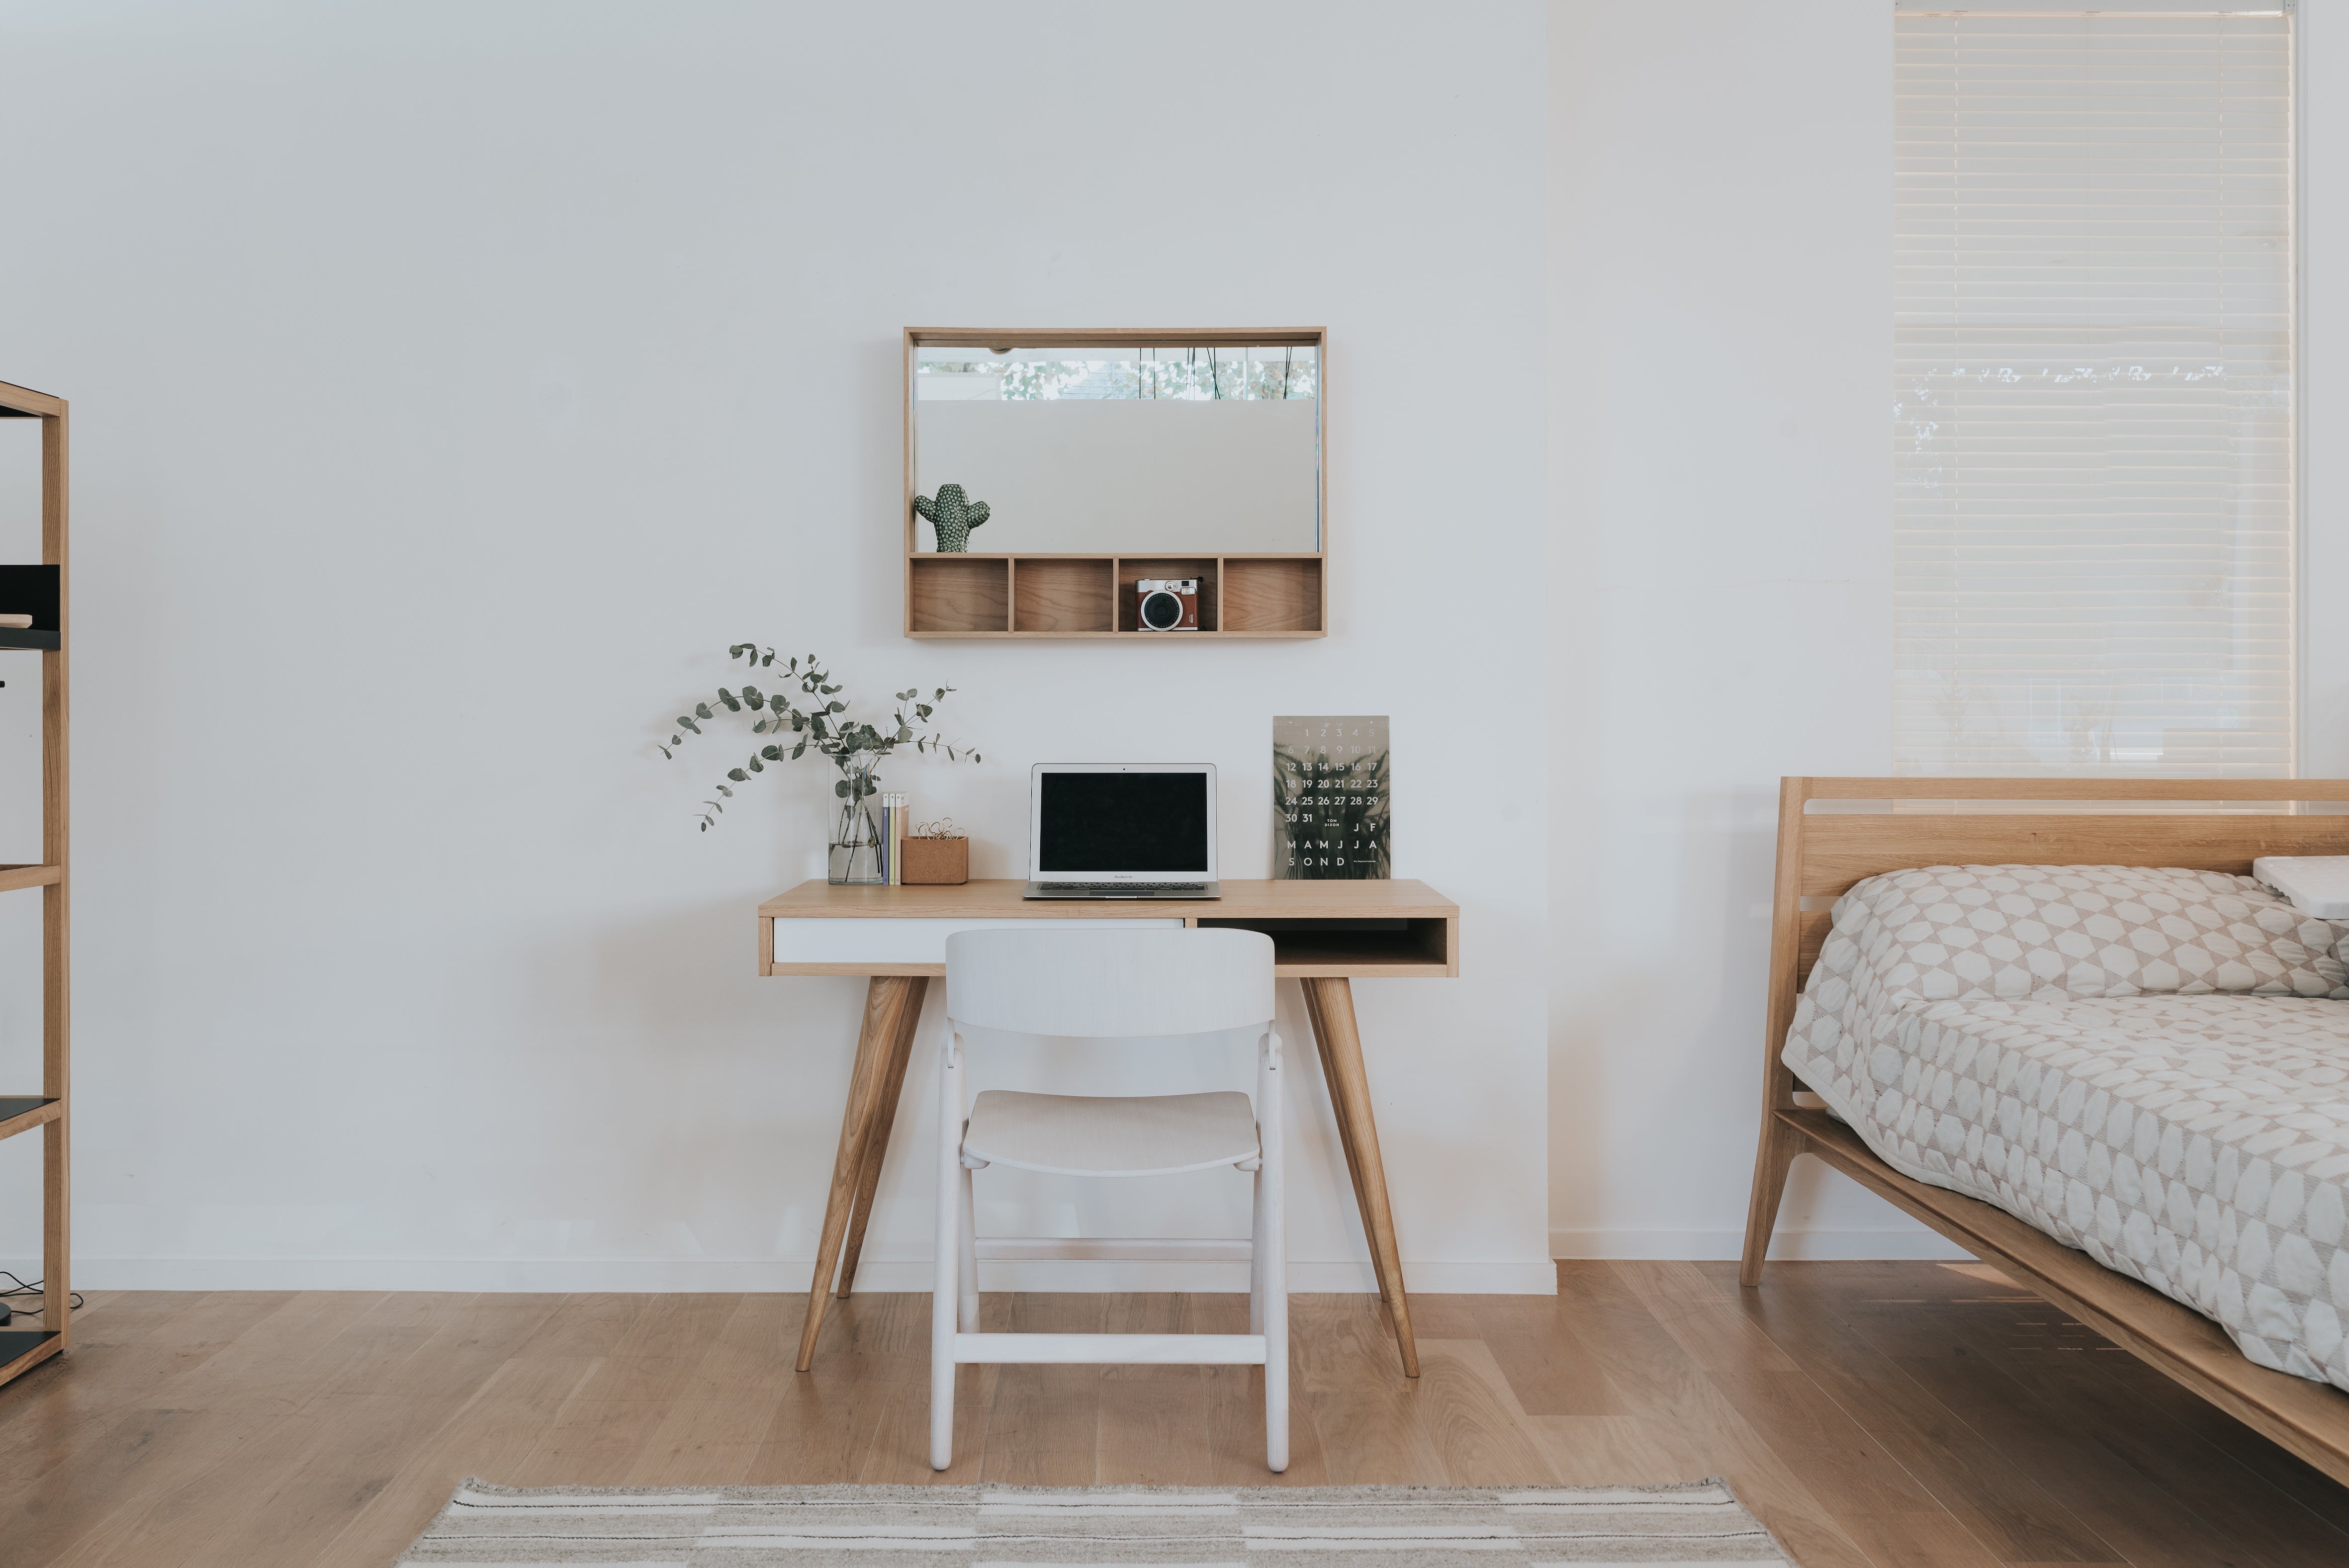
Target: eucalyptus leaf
[{"x": 853, "y": 745}]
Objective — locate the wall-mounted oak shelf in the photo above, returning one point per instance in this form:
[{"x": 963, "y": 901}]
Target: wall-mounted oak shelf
[
  {"x": 1262, "y": 595},
  {"x": 980, "y": 595},
  {"x": 39, "y": 591}
]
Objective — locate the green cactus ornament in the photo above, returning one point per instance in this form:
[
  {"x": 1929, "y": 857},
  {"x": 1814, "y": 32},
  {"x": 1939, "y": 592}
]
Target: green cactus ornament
[{"x": 953, "y": 517}]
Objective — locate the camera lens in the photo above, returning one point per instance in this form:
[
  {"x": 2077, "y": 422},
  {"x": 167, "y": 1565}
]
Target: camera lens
[{"x": 1161, "y": 610}]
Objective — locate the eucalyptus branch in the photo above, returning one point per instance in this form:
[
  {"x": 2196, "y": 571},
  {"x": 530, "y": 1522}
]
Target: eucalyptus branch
[{"x": 817, "y": 718}]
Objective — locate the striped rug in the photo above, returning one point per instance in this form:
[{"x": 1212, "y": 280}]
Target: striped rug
[{"x": 1023, "y": 1527}]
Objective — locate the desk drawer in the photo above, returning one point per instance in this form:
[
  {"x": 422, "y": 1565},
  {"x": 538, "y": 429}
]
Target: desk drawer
[{"x": 815, "y": 940}]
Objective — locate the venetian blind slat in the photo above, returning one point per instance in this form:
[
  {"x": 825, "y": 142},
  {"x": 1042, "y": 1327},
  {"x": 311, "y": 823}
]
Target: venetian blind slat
[{"x": 2092, "y": 394}]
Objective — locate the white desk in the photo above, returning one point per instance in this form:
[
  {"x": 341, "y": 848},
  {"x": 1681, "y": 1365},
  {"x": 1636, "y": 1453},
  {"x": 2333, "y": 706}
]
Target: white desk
[{"x": 1325, "y": 935}]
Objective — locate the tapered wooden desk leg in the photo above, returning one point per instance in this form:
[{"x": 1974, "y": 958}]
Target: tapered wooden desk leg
[
  {"x": 885, "y": 1117},
  {"x": 1332, "y": 1007},
  {"x": 1345, "y": 1128},
  {"x": 884, "y": 1002}
]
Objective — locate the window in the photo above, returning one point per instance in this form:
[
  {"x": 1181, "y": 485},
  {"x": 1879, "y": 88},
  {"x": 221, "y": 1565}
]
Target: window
[{"x": 2093, "y": 515}]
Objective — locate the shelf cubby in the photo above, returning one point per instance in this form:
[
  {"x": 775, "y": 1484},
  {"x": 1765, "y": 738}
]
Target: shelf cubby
[
  {"x": 1281, "y": 594},
  {"x": 24, "y": 1112},
  {"x": 23, "y": 1349},
  {"x": 1063, "y": 595},
  {"x": 1132, "y": 569},
  {"x": 34, "y": 591},
  {"x": 1405, "y": 945},
  {"x": 955, "y": 595}
]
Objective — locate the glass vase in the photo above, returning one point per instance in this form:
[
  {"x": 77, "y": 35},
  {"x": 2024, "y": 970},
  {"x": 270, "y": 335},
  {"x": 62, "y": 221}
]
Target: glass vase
[{"x": 855, "y": 837}]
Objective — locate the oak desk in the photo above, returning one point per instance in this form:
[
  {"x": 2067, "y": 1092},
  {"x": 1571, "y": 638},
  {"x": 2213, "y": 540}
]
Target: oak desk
[{"x": 1324, "y": 933}]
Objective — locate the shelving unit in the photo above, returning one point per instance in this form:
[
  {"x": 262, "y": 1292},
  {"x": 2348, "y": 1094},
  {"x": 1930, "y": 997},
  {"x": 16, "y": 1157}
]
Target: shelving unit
[
  {"x": 39, "y": 590},
  {"x": 979, "y": 595}
]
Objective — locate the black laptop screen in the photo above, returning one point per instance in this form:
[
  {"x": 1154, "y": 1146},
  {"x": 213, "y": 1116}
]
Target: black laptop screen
[{"x": 1123, "y": 823}]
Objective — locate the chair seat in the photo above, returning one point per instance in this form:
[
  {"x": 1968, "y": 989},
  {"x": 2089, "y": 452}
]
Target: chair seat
[{"x": 1111, "y": 1135}]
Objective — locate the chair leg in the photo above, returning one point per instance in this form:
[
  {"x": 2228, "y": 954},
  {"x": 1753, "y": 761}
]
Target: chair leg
[
  {"x": 1779, "y": 1144},
  {"x": 968, "y": 1251},
  {"x": 1255, "y": 1252},
  {"x": 947, "y": 1254},
  {"x": 1271, "y": 1250}
]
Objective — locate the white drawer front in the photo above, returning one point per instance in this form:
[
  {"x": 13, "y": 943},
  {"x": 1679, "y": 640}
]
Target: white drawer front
[{"x": 818, "y": 941}]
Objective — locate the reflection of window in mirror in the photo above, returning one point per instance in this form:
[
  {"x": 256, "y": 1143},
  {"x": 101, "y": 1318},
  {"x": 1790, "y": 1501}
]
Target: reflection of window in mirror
[
  {"x": 1206, "y": 449},
  {"x": 1275, "y": 373}
]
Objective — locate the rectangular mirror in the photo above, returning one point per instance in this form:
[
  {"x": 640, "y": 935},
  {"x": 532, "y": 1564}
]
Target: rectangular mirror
[
  {"x": 1078, "y": 483},
  {"x": 1095, "y": 446}
]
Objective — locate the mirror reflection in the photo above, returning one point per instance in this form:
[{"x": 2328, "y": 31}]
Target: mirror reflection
[{"x": 1201, "y": 450}]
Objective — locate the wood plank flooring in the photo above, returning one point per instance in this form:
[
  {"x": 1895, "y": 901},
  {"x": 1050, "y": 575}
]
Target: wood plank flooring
[{"x": 1901, "y": 1415}]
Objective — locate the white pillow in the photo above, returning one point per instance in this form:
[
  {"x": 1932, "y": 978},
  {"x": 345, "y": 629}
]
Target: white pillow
[{"x": 2316, "y": 884}]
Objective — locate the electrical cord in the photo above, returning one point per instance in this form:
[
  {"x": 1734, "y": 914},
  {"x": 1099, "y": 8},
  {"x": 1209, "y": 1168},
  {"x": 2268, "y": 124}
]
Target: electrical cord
[{"x": 20, "y": 1288}]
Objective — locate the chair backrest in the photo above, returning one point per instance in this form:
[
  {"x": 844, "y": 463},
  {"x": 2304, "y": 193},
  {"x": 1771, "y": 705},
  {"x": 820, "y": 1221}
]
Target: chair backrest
[{"x": 1110, "y": 985}]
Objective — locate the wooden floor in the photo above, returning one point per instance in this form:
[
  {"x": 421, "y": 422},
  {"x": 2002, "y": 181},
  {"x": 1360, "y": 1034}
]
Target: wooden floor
[{"x": 1869, "y": 1413}]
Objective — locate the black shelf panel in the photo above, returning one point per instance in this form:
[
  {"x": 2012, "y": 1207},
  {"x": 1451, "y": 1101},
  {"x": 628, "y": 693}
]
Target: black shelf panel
[
  {"x": 15, "y": 1105},
  {"x": 31, "y": 590},
  {"x": 15, "y": 1344}
]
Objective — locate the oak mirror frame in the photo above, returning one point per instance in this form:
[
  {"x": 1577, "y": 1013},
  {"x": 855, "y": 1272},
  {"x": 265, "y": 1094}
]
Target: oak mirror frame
[{"x": 1107, "y": 457}]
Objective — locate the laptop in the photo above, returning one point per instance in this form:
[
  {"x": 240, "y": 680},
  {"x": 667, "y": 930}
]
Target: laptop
[{"x": 1136, "y": 832}]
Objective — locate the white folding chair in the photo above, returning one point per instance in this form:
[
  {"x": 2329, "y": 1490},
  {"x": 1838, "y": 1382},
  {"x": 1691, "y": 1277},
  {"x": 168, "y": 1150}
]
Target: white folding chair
[{"x": 1105, "y": 986}]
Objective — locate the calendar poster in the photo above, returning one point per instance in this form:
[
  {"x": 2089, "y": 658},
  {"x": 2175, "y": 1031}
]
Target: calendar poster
[{"x": 1329, "y": 799}]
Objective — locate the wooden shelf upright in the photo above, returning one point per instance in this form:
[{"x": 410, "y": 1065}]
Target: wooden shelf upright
[{"x": 40, "y": 590}]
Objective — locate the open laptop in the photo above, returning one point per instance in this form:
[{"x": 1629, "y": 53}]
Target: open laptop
[{"x": 1108, "y": 831}]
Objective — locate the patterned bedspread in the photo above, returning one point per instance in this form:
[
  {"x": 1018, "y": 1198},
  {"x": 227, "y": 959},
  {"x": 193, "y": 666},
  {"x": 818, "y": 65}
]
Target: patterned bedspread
[{"x": 2152, "y": 1066}]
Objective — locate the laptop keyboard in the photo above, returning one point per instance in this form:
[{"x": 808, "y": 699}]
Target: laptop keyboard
[{"x": 1124, "y": 887}]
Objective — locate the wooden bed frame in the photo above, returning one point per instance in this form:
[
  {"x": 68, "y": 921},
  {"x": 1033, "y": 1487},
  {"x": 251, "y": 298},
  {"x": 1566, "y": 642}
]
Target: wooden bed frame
[{"x": 2206, "y": 824}]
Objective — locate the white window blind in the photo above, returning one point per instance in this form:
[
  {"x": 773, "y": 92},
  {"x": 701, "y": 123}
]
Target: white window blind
[{"x": 2094, "y": 520}]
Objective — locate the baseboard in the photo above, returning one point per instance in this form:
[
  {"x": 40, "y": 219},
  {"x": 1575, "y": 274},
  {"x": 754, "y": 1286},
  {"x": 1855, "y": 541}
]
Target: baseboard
[
  {"x": 665, "y": 1275},
  {"x": 1794, "y": 1246}
]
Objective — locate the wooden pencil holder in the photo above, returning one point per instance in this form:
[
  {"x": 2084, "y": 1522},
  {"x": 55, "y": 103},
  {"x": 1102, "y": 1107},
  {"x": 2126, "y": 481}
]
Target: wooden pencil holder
[{"x": 936, "y": 860}]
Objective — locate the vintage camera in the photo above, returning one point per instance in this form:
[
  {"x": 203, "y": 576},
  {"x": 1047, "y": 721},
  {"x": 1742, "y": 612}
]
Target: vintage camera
[{"x": 1166, "y": 604}]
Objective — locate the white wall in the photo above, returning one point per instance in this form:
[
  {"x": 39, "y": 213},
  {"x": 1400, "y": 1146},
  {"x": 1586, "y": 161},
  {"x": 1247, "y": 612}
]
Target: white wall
[
  {"x": 452, "y": 383},
  {"x": 1721, "y": 350}
]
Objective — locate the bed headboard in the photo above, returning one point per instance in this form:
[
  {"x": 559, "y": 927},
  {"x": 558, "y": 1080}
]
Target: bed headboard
[{"x": 2204, "y": 824}]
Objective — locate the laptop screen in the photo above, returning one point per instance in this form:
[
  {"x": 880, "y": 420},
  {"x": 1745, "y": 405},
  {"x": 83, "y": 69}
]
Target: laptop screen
[{"x": 1121, "y": 823}]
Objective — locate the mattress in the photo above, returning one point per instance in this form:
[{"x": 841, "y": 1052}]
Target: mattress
[{"x": 2152, "y": 1066}]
